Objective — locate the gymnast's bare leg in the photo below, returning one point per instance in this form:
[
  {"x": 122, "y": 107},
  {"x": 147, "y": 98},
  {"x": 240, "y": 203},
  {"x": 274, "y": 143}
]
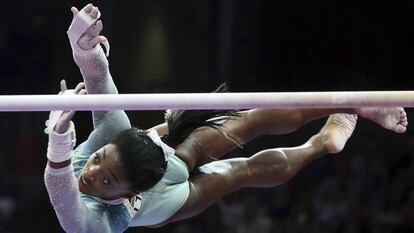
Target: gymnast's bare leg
[
  {"x": 268, "y": 168},
  {"x": 206, "y": 144}
]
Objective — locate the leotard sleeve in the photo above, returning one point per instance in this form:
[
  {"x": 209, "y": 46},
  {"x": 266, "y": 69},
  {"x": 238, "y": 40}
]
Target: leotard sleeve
[
  {"x": 77, "y": 212},
  {"x": 94, "y": 67}
]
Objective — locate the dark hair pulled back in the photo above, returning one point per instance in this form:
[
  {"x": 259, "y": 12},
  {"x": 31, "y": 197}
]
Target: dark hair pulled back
[{"x": 144, "y": 160}]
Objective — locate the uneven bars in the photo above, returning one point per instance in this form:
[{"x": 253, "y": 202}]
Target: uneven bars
[{"x": 349, "y": 99}]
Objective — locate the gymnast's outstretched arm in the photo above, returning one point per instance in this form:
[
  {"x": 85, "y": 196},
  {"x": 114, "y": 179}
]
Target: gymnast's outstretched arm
[
  {"x": 93, "y": 64},
  {"x": 73, "y": 213}
]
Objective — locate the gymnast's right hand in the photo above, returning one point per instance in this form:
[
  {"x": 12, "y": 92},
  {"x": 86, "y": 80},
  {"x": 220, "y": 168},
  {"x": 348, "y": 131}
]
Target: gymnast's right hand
[
  {"x": 61, "y": 130},
  {"x": 91, "y": 37},
  {"x": 63, "y": 122}
]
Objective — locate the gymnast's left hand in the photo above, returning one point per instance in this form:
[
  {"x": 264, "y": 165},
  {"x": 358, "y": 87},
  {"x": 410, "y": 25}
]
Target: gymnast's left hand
[
  {"x": 92, "y": 36},
  {"x": 63, "y": 122}
]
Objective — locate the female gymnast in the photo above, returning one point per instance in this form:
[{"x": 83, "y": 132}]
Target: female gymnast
[{"x": 122, "y": 177}]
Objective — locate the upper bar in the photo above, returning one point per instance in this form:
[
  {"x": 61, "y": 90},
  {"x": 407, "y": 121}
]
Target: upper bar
[{"x": 349, "y": 99}]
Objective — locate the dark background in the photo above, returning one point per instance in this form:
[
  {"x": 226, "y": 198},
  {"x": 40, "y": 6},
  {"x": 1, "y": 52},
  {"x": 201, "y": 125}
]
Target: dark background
[{"x": 193, "y": 46}]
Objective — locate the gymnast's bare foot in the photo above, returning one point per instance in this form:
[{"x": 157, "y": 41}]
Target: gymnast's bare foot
[
  {"x": 336, "y": 132},
  {"x": 394, "y": 119}
]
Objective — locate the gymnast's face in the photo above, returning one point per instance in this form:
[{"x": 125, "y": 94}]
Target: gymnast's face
[{"x": 103, "y": 175}]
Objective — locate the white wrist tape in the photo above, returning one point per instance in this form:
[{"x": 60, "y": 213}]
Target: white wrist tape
[
  {"x": 61, "y": 145},
  {"x": 79, "y": 25},
  {"x": 53, "y": 119}
]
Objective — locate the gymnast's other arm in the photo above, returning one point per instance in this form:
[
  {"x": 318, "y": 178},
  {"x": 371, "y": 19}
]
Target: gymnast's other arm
[
  {"x": 87, "y": 52},
  {"x": 61, "y": 183},
  {"x": 93, "y": 64}
]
